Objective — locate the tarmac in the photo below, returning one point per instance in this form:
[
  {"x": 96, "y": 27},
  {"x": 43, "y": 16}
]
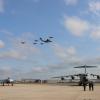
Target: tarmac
[{"x": 47, "y": 92}]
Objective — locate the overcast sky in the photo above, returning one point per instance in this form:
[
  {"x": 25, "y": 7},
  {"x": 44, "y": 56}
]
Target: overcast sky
[{"x": 74, "y": 24}]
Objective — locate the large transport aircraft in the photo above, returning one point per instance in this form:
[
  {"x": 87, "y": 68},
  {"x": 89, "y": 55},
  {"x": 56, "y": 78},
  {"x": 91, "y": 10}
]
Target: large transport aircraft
[{"x": 81, "y": 76}]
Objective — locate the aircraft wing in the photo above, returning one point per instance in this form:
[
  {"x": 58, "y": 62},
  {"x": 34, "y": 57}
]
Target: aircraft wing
[
  {"x": 42, "y": 39},
  {"x": 85, "y": 66},
  {"x": 94, "y": 75},
  {"x": 59, "y": 77},
  {"x": 64, "y": 76}
]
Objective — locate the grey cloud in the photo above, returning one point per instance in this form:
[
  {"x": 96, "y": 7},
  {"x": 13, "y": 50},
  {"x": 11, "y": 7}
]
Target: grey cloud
[
  {"x": 94, "y": 7},
  {"x": 5, "y": 72},
  {"x": 71, "y": 2},
  {"x": 2, "y": 44}
]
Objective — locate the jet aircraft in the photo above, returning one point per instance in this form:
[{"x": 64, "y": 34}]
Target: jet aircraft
[
  {"x": 45, "y": 41},
  {"x": 23, "y": 42},
  {"x": 7, "y": 81},
  {"x": 34, "y": 43}
]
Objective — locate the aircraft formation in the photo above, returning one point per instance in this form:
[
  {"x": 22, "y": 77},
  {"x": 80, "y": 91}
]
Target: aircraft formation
[{"x": 41, "y": 41}]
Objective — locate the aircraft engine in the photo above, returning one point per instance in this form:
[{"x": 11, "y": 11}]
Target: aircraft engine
[
  {"x": 62, "y": 78},
  {"x": 72, "y": 77},
  {"x": 98, "y": 77}
]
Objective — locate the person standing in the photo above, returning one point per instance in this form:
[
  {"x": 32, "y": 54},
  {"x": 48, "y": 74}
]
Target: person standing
[
  {"x": 84, "y": 86},
  {"x": 85, "y": 81},
  {"x": 91, "y": 85}
]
